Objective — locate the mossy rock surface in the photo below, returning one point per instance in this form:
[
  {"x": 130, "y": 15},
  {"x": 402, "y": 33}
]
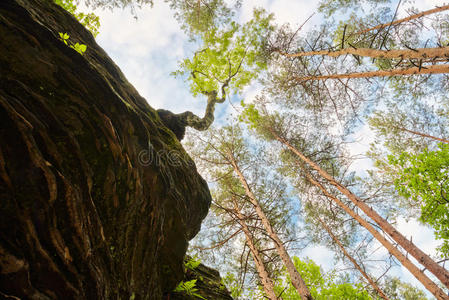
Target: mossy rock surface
[
  {"x": 208, "y": 283},
  {"x": 98, "y": 199}
]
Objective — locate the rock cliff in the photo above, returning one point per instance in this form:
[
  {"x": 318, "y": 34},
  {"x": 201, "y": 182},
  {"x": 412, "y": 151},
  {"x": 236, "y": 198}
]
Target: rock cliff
[{"x": 98, "y": 199}]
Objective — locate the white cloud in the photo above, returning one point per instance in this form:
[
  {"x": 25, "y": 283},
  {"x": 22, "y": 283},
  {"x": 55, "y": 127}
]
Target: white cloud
[
  {"x": 427, "y": 4},
  {"x": 362, "y": 139},
  {"x": 147, "y": 50},
  {"x": 422, "y": 236},
  {"x": 248, "y": 6},
  {"x": 320, "y": 255},
  {"x": 420, "y": 5},
  {"x": 285, "y": 11},
  {"x": 153, "y": 26},
  {"x": 250, "y": 93},
  {"x": 293, "y": 12}
]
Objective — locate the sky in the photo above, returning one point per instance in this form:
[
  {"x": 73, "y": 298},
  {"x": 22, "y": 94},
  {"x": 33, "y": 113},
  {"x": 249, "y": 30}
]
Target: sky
[{"x": 148, "y": 49}]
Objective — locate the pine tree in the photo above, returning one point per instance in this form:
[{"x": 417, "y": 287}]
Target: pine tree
[
  {"x": 269, "y": 128},
  {"x": 231, "y": 150}
]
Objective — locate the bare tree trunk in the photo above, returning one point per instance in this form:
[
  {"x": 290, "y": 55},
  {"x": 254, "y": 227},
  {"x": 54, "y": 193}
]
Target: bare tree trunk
[
  {"x": 441, "y": 273},
  {"x": 433, "y": 69},
  {"x": 429, "y": 284},
  {"x": 296, "y": 278},
  {"x": 412, "y": 17},
  {"x": 422, "y": 134},
  {"x": 420, "y": 53},
  {"x": 267, "y": 283},
  {"x": 354, "y": 262}
]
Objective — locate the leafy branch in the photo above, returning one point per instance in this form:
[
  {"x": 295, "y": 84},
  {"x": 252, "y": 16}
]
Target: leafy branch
[
  {"x": 189, "y": 288},
  {"x": 80, "y": 48},
  {"x": 229, "y": 60}
]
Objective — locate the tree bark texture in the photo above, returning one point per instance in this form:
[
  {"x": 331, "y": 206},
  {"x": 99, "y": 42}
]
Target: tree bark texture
[
  {"x": 97, "y": 197},
  {"x": 420, "y": 53},
  {"x": 429, "y": 69}
]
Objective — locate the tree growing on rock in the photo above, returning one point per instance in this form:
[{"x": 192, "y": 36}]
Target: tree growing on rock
[{"x": 229, "y": 59}]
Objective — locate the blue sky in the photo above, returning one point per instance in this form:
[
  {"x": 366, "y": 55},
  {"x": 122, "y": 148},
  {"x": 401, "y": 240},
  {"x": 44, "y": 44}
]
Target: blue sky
[{"x": 148, "y": 49}]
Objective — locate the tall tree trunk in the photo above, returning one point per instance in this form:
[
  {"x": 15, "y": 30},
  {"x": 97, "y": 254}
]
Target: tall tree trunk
[
  {"x": 420, "y": 53},
  {"x": 414, "y": 270},
  {"x": 432, "y": 69},
  {"x": 422, "y": 134},
  {"x": 353, "y": 261},
  {"x": 296, "y": 278},
  {"x": 412, "y": 17},
  {"x": 437, "y": 270},
  {"x": 267, "y": 283}
]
